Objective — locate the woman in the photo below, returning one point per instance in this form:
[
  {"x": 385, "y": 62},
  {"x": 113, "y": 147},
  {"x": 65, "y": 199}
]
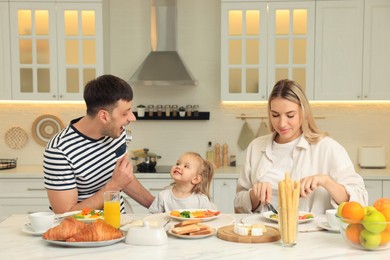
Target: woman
[{"x": 296, "y": 146}]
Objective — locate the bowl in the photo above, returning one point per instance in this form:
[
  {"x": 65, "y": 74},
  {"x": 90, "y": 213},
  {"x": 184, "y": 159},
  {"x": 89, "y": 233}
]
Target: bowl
[{"x": 365, "y": 235}]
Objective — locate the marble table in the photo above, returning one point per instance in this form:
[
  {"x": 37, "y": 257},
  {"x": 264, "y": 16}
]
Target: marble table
[{"x": 17, "y": 245}]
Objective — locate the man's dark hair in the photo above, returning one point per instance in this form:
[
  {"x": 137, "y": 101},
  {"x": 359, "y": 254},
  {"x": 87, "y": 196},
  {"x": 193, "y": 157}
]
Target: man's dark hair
[{"x": 104, "y": 92}]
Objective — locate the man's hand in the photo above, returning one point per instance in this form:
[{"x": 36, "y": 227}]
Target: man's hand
[{"x": 123, "y": 173}]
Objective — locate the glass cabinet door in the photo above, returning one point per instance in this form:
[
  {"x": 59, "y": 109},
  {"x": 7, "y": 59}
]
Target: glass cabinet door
[
  {"x": 291, "y": 44},
  {"x": 80, "y": 55},
  {"x": 243, "y": 56},
  {"x": 33, "y": 50}
]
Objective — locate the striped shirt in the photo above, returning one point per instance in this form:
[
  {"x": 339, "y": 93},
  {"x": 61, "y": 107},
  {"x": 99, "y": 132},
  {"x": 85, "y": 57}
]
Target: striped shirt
[{"x": 75, "y": 161}]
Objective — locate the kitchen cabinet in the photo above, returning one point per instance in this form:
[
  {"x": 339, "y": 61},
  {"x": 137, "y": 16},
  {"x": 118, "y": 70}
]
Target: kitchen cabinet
[
  {"x": 263, "y": 42},
  {"x": 339, "y": 50},
  {"x": 352, "y": 53},
  {"x": 19, "y": 196},
  {"x": 386, "y": 189},
  {"x": 5, "y": 59},
  {"x": 374, "y": 189},
  {"x": 376, "y": 57},
  {"x": 57, "y": 48},
  {"x": 224, "y": 194}
]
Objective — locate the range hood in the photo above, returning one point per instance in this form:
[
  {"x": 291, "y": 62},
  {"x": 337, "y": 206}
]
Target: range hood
[{"x": 163, "y": 66}]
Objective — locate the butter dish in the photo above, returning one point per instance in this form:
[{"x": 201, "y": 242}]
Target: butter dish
[{"x": 146, "y": 235}]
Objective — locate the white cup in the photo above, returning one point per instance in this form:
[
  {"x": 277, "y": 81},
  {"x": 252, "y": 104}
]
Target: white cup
[
  {"x": 331, "y": 217},
  {"x": 41, "y": 221}
]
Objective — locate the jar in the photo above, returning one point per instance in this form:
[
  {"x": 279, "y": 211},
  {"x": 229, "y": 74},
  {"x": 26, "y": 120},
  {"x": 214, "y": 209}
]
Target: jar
[
  {"x": 189, "y": 110},
  {"x": 167, "y": 110},
  {"x": 159, "y": 110},
  {"x": 195, "y": 109},
  {"x": 174, "y": 110},
  {"x": 150, "y": 110}
]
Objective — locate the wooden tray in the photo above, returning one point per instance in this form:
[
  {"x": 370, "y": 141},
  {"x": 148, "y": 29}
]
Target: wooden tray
[{"x": 227, "y": 233}]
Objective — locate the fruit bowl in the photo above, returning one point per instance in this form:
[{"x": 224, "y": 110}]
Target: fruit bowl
[{"x": 364, "y": 234}]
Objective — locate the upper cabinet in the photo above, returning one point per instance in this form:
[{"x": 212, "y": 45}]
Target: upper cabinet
[
  {"x": 5, "y": 60},
  {"x": 376, "y": 55},
  {"x": 263, "y": 42},
  {"x": 339, "y": 50},
  {"x": 56, "y": 48}
]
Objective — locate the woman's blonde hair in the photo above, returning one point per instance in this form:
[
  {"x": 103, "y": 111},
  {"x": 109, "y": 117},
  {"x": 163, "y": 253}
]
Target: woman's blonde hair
[
  {"x": 206, "y": 170},
  {"x": 292, "y": 91}
]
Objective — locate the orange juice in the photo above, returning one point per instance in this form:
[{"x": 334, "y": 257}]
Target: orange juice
[{"x": 112, "y": 213}]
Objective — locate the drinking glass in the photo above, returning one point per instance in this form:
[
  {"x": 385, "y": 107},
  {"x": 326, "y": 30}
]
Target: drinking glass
[{"x": 112, "y": 208}]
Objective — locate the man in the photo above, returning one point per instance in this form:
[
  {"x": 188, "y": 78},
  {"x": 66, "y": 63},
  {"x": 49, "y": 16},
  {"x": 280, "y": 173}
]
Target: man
[{"x": 89, "y": 156}]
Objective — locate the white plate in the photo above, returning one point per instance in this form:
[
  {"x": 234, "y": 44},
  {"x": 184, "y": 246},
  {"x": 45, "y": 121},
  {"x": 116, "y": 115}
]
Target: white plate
[
  {"x": 191, "y": 237},
  {"x": 85, "y": 244},
  {"x": 29, "y": 230},
  {"x": 301, "y": 213},
  {"x": 325, "y": 225},
  {"x": 125, "y": 219},
  {"x": 192, "y": 210},
  {"x": 162, "y": 218}
]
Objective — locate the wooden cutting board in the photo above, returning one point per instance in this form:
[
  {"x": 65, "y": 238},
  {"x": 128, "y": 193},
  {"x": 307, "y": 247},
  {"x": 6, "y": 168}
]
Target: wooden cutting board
[{"x": 227, "y": 233}]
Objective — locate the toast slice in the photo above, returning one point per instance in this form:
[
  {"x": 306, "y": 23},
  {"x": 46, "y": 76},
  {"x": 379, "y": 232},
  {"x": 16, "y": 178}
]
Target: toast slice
[
  {"x": 181, "y": 230},
  {"x": 188, "y": 222}
]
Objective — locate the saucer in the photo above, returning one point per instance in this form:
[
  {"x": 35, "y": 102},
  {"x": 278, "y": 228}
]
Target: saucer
[
  {"x": 326, "y": 226},
  {"x": 29, "y": 230}
]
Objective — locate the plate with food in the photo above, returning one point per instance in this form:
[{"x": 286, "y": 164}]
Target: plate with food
[
  {"x": 85, "y": 244},
  {"x": 303, "y": 216},
  {"x": 191, "y": 214},
  {"x": 191, "y": 229},
  {"x": 86, "y": 215}
]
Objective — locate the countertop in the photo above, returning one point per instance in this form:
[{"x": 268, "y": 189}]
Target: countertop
[
  {"x": 36, "y": 171},
  {"x": 15, "y": 244}
]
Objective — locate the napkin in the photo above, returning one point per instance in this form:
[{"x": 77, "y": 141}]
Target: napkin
[{"x": 246, "y": 136}]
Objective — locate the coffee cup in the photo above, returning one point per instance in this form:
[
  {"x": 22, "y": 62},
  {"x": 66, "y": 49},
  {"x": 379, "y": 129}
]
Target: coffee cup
[
  {"x": 331, "y": 217},
  {"x": 41, "y": 221}
]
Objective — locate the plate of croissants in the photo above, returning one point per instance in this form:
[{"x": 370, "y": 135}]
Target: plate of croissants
[{"x": 74, "y": 233}]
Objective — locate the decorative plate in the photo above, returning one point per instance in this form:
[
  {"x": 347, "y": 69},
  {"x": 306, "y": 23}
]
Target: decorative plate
[
  {"x": 45, "y": 127},
  {"x": 16, "y": 137}
]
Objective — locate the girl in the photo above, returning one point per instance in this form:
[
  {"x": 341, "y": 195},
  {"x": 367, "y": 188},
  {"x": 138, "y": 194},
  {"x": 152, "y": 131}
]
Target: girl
[{"x": 192, "y": 177}]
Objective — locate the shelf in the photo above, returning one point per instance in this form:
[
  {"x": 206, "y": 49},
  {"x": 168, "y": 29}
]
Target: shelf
[{"x": 201, "y": 116}]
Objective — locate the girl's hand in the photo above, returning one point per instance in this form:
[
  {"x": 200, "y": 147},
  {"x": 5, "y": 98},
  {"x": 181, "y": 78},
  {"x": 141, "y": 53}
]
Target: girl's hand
[{"x": 261, "y": 193}]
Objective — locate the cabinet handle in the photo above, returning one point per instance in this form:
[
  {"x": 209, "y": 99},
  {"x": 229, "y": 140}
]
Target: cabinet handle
[{"x": 36, "y": 189}]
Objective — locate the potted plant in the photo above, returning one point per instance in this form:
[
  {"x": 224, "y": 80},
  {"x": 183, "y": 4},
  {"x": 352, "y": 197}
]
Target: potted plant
[
  {"x": 141, "y": 110},
  {"x": 182, "y": 111}
]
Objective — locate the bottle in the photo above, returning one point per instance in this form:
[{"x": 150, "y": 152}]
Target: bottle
[{"x": 210, "y": 153}]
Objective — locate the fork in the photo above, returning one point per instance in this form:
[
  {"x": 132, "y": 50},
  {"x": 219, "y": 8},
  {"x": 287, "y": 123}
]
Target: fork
[
  {"x": 129, "y": 136},
  {"x": 270, "y": 207}
]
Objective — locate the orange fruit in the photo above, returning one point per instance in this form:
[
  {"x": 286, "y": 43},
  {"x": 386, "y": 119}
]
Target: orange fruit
[
  {"x": 382, "y": 203},
  {"x": 340, "y": 209},
  {"x": 385, "y": 237},
  {"x": 353, "y": 210},
  {"x": 353, "y": 232},
  {"x": 386, "y": 213}
]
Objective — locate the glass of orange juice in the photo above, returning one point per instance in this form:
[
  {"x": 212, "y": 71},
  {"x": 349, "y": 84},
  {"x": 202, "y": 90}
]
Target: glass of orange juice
[{"x": 112, "y": 208}]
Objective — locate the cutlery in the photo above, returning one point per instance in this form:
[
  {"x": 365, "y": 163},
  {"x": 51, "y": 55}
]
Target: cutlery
[
  {"x": 129, "y": 136},
  {"x": 270, "y": 207}
]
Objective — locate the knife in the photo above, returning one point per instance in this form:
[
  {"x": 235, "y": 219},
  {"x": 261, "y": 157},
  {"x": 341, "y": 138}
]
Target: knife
[{"x": 270, "y": 207}]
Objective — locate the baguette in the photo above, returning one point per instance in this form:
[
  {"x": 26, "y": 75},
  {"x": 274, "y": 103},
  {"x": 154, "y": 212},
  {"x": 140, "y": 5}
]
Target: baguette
[
  {"x": 188, "y": 222},
  {"x": 185, "y": 229}
]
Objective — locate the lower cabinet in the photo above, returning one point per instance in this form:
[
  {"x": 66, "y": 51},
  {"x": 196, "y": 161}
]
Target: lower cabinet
[
  {"x": 374, "y": 189},
  {"x": 22, "y": 196},
  {"x": 224, "y": 193},
  {"x": 386, "y": 189}
]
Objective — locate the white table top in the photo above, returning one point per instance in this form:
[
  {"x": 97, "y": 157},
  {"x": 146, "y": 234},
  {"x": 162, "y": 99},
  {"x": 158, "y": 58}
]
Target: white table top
[{"x": 15, "y": 244}]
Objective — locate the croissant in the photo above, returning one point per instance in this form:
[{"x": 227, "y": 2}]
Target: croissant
[
  {"x": 97, "y": 231},
  {"x": 68, "y": 227}
]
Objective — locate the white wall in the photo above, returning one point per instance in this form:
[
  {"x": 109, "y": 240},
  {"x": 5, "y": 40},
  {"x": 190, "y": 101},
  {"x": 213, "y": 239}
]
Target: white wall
[{"x": 352, "y": 124}]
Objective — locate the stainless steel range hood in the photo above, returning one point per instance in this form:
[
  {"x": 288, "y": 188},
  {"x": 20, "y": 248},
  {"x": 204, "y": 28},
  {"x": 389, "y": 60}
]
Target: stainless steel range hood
[{"x": 163, "y": 66}]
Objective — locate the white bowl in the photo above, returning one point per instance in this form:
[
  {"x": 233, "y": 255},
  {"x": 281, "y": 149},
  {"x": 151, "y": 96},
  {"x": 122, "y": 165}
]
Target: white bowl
[{"x": 41, "y": 221}]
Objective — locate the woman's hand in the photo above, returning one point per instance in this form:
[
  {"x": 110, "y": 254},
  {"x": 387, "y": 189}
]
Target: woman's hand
[
  {"x": 311, "y": 183},
  {"x": 260, "y": 193},
  {"x": 335, "y": 189}
]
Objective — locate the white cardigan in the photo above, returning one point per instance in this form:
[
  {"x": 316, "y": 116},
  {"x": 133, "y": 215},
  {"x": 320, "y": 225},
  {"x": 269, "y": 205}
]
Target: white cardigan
[{"x": 326, "y": 157}]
